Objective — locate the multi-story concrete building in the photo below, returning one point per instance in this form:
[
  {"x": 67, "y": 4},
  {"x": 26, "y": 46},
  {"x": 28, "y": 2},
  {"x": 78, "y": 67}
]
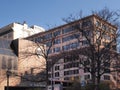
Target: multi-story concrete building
[
  {"x": 17, "y": 30},
  {"x": 59, "y": 39},
  {"x": 65, "y": 38}
]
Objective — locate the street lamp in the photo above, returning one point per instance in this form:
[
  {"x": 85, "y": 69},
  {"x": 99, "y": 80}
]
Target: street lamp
[
  {"x": 8, "y": 73},
  {"x": 39, "y": 52}
]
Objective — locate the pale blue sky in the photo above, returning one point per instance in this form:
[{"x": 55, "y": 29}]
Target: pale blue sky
[{"x": 48, "y": 12}]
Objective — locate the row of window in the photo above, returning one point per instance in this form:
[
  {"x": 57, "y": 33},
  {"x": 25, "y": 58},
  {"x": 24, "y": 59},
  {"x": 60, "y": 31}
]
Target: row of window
[
  {"x": 105, "y": 27},
  {"x": 71, "y": 58},
  {"x": 69, "y": 46},
  {"x": 71, "y": 72},
  {"x": 64, "y": 31},
  {"x": 72, "y": 78},
  {"x": 105, "y": 77},
  {"x": 71, "y": 37},
  {"x": 64, "y": 48},
  {"x": 54, "y": 34},
  {"x": 86, "y": 70},
  {"x": 58, "y": 41},
  {"x": 71, "y": 65}
]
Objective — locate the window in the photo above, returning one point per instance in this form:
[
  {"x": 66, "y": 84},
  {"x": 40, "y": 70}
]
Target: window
[
  {"x": 56, "y": 74},
  {"x": 112, "y": 31},
  {"x": 57, "y": 49},
  {"x": 57, "y": 41},
  {"x": 14, "y": 63},
  {"x": 87, "y": 33},
  {"x": 66, "y": 73},
  {"x": 50, "y": 51},
  {"x": 106, "y": 77},
  {"x": 98, "y": 23},
  {"x": 104, "y": 27},
  {"x": 66, "y": 47},
  {"x": 71, "y": 58},
  {"x": 68, "y": 38},
  {"x": 48, "y": 36},
  {"x": 10, "y": 35},
  {"x": 97, "y": 33},
  {"x": 49, "y": 75},
  {"x": 87, "y": 77},
  {"x": 9, "y": 63},
  {"x": 86, "y": 23},
  {"x": 38, "y": 39},
  {"x": 106, "y": 37},
  {"x": 57, "y": 68},
  {"x": 74, "y": 45},
  {"x": 68, "y": 29},
  {"x": 57, "y": 33},
  {"x": 85, "y": 42},
  {"x": 86, "y": 70},
  {"x": 71, "y": 65},
  {"x": 48, "y": 44},
  {"x": 4, "y": 63},
  {"x": 70, "y": 46},
  {"x": 107, "y": 70},
  {"x": 75, "y": 71},
  {"x": 71, "y": 72},
  {"x": 66, "y": 78}
]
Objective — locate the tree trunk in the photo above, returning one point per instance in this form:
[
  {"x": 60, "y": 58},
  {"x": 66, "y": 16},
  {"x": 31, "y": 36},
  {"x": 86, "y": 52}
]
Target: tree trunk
[
  {"x": 98, "y": 83},
  {"x": 93, "y": 80}
]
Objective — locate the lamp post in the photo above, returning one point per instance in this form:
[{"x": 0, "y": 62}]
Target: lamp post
[
  {"x": 52, "y": 85},
  {"x": 8, "y": 74}
]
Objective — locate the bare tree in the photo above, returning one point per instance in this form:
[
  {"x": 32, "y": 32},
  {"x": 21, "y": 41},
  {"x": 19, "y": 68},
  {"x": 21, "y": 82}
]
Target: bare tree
[
  {"x": 99, "y": 55},
  {"x": 109, "y": 15}
]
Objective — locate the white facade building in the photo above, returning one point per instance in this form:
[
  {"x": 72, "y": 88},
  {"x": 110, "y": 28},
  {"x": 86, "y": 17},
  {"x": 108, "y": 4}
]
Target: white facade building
[{"x": 17, "y": 30}]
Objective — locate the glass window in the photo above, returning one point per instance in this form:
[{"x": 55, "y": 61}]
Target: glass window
[
  {"x": 106, "y": 77},
  {"x": 68, "y": 38},
  {"x": 48, "y": 36},
  {"x": 75, "y": 71},
  {"x": 48, "y": 44},
  {"x": 104, "y": 27},
  {"x": 56, "y": 74},
  {"x": 106, "y": 37},
  {"x": 14, "y": 61},
  {"x": 86, "y": 70},
  {"x": 98, "y": 23},
  {"x": 68, "y": 29},
  {"x": 87, "y": 77},
  {"x": 4, "y": 63},
  {"x": 57, "y": 33},
  {"x": 57, "y": 67},
  {"x": 85, "y": 42},
  {"x": 38, "y": 39},
  {"x": 9, "y": 63},
  {"x": 66, "y": 78},
  {"x": 57, "y": 49},
  {"x": 66, "y": 47},
  {"x": 57, "y": 41},
  {"x": 50, "y": 51},
  {"x": 86, "y": 23}
]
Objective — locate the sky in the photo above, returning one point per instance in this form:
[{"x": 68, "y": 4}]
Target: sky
[{"x": 49, "y": 13}]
